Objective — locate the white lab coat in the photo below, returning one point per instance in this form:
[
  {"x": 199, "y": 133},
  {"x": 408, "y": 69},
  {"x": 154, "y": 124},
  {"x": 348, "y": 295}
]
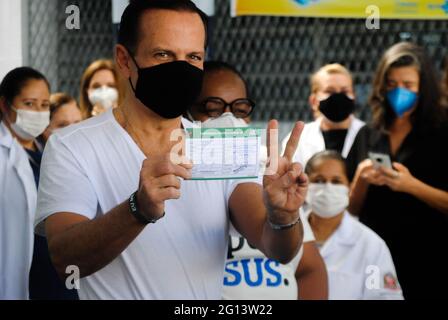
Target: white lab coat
[
  {"x": 312, "y": 140},
  {"x": 17, "y": 210},
  {"x": 359, "y": 264}
]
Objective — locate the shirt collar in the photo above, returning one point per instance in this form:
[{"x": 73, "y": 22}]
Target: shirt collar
[{"x": 346, "y": 234}]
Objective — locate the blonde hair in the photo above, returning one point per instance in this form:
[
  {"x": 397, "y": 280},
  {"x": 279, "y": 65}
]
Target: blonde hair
[
  {"x": 333, "y": 68},
  {"x": 94, "y": 67}
]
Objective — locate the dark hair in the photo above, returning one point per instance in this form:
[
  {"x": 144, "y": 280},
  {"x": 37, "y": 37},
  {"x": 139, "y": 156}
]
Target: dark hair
[
  {"x": 429, "y": 112},
  {"x": 322, "y": 156},
  {"x": 445, "y": 85},
  {"x": 57, "y": 100},
  {"x": 214, "y": 66},
  {"x": 15, "y": 80},
  {"x": 129, "y": 31}
]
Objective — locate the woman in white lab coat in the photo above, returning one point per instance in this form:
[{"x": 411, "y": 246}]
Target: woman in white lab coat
[
  {"x": 332, "y": 101},
  {"x": 17, "y": 208},
  {"x": 25, "y": 267},
  {"x": 24, "y": 95},
  {"x": 358, "y": 261}
]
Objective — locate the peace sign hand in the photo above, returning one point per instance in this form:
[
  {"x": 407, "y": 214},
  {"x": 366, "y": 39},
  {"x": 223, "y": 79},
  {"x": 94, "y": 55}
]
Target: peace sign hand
[{"x": 284, "y": 183}]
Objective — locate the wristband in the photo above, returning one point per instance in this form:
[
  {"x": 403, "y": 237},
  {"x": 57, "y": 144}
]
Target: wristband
[
  {"x": 133, "y": 206},
  {"x": 284, "y": 226}
]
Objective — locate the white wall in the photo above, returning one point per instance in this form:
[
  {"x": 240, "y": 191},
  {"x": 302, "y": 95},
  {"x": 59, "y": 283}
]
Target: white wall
[
  {"x": 12, "y": 36},
  {"x": 118, "y": 7},
  {"x": 208, "y": 6}
]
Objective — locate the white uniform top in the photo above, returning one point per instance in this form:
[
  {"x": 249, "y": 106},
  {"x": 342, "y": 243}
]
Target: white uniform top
[
  {"x": 17, "y": 210},
  {"x": 250, "y": 275},
  {"x": 359, "y": 264},
  {"x": 312, "y": 140},
  {"x": 90, "y": 168}
]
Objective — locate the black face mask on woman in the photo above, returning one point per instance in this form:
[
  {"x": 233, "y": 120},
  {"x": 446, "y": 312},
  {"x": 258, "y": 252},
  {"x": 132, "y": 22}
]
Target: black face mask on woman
[
  {"x": 337, "y": 107},
  {"x": 168, "y": 89}
]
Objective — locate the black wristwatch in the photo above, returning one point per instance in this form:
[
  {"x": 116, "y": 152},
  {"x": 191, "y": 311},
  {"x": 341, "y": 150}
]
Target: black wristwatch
[{"x": 133, "y": 206}]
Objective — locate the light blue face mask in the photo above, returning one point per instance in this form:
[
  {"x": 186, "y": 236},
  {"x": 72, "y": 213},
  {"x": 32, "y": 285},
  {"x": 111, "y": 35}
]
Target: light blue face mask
[{"x": 401, "y": 100}]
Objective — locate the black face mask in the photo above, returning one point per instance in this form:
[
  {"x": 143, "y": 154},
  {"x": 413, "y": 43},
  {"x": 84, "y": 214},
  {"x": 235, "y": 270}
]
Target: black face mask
[
  {"x": 168, "y": 89},
  {"x": 337, "y": 107}
]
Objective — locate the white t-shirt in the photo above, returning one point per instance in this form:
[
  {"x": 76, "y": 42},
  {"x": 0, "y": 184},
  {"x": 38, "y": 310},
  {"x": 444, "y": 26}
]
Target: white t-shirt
[
  {"x": 92, "y": 167},
  {"x": 250, "y": 275}
]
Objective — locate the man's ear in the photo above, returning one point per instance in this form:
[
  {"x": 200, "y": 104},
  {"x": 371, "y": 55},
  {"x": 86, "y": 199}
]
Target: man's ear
[{"x": 123, "y": 61}]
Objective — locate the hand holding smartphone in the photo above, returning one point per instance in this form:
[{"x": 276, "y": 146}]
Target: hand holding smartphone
[{"x": 380, "y": 160}]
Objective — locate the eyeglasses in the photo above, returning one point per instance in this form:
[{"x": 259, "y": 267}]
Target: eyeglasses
[{"x": 215, "y": 107}]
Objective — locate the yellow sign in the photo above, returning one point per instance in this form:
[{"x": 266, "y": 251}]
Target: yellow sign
[{"x": 386, "y": 9}]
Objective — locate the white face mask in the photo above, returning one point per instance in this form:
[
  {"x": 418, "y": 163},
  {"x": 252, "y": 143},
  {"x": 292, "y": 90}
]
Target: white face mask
[
  {"x": 327, "y": 200},
  {"x": 30, "y": 124},
  {"x": 226, "y": 120},
  {"x": 104, "y": 96}
]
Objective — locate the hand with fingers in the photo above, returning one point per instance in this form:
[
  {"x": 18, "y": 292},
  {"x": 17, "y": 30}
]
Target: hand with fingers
[
  {"x": 400, "y": 179},
  {"x": 369, "y": 173},
  {"x": 160, "y": 181},
  {"x": 284, "y": 183}
]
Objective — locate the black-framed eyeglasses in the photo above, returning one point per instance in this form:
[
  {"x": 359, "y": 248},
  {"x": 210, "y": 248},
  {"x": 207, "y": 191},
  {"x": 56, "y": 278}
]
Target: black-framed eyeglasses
[{"x": 215, "y": 107}]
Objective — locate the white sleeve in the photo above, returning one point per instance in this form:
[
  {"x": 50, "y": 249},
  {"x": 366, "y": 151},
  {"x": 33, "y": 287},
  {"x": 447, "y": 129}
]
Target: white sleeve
[
  {"x": 308, "y": 235},
  {"x": 63, "y": 185},
  {"x": 232, "y": 184},
  {"x": 388, "y": 287}
]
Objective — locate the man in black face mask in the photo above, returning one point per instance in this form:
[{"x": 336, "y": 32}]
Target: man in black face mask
[
  {"x": 332, "y": 102},
  {"x": 123, "y": 213}
]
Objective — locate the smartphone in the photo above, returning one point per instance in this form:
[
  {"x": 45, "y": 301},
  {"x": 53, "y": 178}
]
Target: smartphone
[{"x": 380, "y": 160}]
